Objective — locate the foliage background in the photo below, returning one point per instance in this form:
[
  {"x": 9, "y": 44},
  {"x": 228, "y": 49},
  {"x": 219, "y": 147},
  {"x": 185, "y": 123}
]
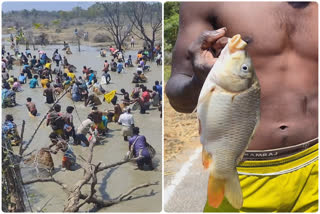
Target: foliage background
[{"x": 171, "y": 28}]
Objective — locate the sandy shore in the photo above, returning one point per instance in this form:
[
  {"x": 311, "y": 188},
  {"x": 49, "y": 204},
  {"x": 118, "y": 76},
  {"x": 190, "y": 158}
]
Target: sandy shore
[{"x": 111, "y": 182}]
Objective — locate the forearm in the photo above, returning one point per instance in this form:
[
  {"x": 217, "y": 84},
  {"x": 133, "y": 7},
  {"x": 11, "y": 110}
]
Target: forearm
[{"x": 183, "y": 92}]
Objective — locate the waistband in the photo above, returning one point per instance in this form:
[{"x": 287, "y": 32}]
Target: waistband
[
  {"x": 280, "y": 165},
  {"x": 277, "y": 153}
]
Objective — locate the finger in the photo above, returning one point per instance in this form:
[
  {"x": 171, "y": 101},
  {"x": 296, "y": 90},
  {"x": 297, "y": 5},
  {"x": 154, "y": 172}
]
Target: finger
[
  {"x": 210, "y": 37},
  {"x": 219, "y": 45},
  {"x": 204, "y": 62},
  {"x": 205, "y": 40}
]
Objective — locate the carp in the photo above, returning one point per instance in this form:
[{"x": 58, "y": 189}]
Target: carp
[{"x": 228, "y": 111}]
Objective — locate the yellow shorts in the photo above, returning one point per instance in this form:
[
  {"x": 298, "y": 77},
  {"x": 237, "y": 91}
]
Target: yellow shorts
[{"x": 288, "y": 184}]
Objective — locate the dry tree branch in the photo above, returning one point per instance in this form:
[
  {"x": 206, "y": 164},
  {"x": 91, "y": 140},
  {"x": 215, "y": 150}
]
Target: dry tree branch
[
  {"x": 122, "y": 196},
  {"x": 50, "y": 179},
  {"x": 91, "y": 170}
]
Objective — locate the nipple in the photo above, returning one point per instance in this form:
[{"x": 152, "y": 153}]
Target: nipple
[{"x": 236, "y": 43}]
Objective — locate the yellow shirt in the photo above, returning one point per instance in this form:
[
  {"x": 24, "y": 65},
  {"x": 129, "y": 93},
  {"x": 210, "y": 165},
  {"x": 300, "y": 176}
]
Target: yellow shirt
[
  {"x": 71, "y": 75},
  {"x": 48, "y": 65}
]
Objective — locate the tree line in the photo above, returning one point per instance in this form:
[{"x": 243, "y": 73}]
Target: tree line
[{"x": 76, "y": 16}]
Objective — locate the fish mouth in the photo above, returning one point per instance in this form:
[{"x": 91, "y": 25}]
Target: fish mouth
[{"x": 236, "y": 43}]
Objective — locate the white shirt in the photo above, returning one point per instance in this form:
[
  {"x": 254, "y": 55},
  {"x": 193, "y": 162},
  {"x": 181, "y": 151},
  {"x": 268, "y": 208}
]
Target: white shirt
[
  {"x": 3, "y": 64},
  {"x": 126, "y": 119},
  {"x": 84, "y": 127}
]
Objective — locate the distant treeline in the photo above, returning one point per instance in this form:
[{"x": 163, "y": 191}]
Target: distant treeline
[{"x": 58, "y": 19}]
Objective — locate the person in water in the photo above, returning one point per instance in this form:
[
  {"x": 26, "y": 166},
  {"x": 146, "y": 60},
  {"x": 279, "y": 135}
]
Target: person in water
[{"x": 31, "y": 107}]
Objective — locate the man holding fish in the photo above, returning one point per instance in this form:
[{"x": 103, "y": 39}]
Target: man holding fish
[{"x": 256, "y": 96}]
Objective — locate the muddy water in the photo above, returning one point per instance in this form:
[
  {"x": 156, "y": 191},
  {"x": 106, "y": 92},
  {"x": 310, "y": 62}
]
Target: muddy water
[{"x": 111, "y": 182}]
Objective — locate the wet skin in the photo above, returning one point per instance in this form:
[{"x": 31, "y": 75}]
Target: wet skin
[{"x": 283, "y": 45}]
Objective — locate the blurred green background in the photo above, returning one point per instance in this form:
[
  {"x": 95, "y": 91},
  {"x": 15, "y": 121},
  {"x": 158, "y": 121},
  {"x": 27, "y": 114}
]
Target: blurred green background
[{"x": 171, "y": 28}]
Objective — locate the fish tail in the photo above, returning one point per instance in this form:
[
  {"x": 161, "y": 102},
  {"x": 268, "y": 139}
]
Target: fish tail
[
  {"x": 206, "y": 159},
  {"x": 216, "y": 188},
  {"x": 233, "y": 191}
]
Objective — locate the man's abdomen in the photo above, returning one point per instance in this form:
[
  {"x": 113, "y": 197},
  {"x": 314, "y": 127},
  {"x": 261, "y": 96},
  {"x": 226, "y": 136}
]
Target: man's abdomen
[{"x": 289, "y": 101}]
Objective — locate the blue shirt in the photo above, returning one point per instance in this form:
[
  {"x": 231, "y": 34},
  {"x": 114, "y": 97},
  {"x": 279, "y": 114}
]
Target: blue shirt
[
  {"x": 91, "y": 77},
  {"x": 26, "y": 66},
  {"x": 7, "y": 127},
  {"x": 22, "y": 78},
  {"x": 119, "y": 67},
  {"x": 33, "y": 82},
  {"x": 33, "y": 62},
  {"x": 43, "y": 56},
  {"x": 159, "y": 90}
]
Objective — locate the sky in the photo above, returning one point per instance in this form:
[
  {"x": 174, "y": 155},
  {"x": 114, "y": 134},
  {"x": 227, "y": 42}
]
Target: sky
[{"x": 44, "y": 5}]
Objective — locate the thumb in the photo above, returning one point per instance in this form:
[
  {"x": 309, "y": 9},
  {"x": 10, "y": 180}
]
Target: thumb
[{"x": 207, "y": 38}]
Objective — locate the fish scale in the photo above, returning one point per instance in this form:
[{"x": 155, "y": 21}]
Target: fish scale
[
  {"x": 228, "y": 111},
  {"x": 242, "y": 116}
]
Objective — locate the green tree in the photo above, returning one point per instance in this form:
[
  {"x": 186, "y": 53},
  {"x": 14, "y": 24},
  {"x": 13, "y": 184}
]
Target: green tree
[{"x": 171, "y": 24}]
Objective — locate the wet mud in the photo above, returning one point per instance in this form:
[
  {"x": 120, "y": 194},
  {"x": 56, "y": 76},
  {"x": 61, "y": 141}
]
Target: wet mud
[{"x": 113, "y": 182}]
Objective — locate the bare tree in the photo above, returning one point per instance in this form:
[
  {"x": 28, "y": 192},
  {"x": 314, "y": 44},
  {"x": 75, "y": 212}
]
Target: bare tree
[
  {"x": 115, "y": 24},
  {"x": 142, "y": 14}
]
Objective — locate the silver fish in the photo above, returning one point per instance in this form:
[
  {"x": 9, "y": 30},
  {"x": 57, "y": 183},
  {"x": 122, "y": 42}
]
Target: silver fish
[{"x": 228, "y": 111}]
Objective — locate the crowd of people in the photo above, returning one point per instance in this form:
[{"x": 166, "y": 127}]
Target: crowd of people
[{"x": 57, "y": 77}]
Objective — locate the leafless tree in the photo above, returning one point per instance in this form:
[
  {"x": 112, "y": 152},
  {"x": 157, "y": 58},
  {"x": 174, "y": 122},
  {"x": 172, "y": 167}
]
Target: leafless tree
[
  {"x": 142, "y": 14},
  {"x": 115, "y": 22}
]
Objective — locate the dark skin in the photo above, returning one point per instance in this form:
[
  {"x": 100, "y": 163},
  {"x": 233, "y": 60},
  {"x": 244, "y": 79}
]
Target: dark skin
[{"x": 282, "y": 41}]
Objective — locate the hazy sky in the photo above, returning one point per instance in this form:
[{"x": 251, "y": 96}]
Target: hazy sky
[{"x": 44, "y": 5}]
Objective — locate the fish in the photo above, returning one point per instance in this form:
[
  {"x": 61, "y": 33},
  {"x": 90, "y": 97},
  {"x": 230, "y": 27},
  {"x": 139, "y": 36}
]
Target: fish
[{"x": 228, "y": 111}]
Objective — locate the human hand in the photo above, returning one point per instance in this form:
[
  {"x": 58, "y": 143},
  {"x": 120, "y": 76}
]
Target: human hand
[{"x": 205, "y": 51}]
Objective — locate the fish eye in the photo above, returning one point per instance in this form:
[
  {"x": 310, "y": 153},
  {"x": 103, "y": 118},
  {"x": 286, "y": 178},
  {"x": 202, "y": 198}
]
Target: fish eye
[{"x": 244, "y": 67}]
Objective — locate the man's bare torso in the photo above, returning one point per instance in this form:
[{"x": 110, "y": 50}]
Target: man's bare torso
[{"x": 283, "y": 45}]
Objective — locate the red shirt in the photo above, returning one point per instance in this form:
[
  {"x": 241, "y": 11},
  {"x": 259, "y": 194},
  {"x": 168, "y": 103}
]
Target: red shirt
[{"x": 146, "y": 96}]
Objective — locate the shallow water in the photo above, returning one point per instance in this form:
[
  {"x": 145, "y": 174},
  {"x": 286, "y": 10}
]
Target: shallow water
[{"x": 111, "y": 182}]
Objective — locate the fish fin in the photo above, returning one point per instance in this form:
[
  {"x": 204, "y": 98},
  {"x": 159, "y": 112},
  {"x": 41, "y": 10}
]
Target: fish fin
[
  {"x": 215, "y": 191},
  {"x": 204, "y": 97},
  {"x": 206, "y": 158},
  {"x": 233, "y": 191}
]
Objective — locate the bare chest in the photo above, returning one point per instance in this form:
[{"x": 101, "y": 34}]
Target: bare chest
[{"x": 271, "y": 28}]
